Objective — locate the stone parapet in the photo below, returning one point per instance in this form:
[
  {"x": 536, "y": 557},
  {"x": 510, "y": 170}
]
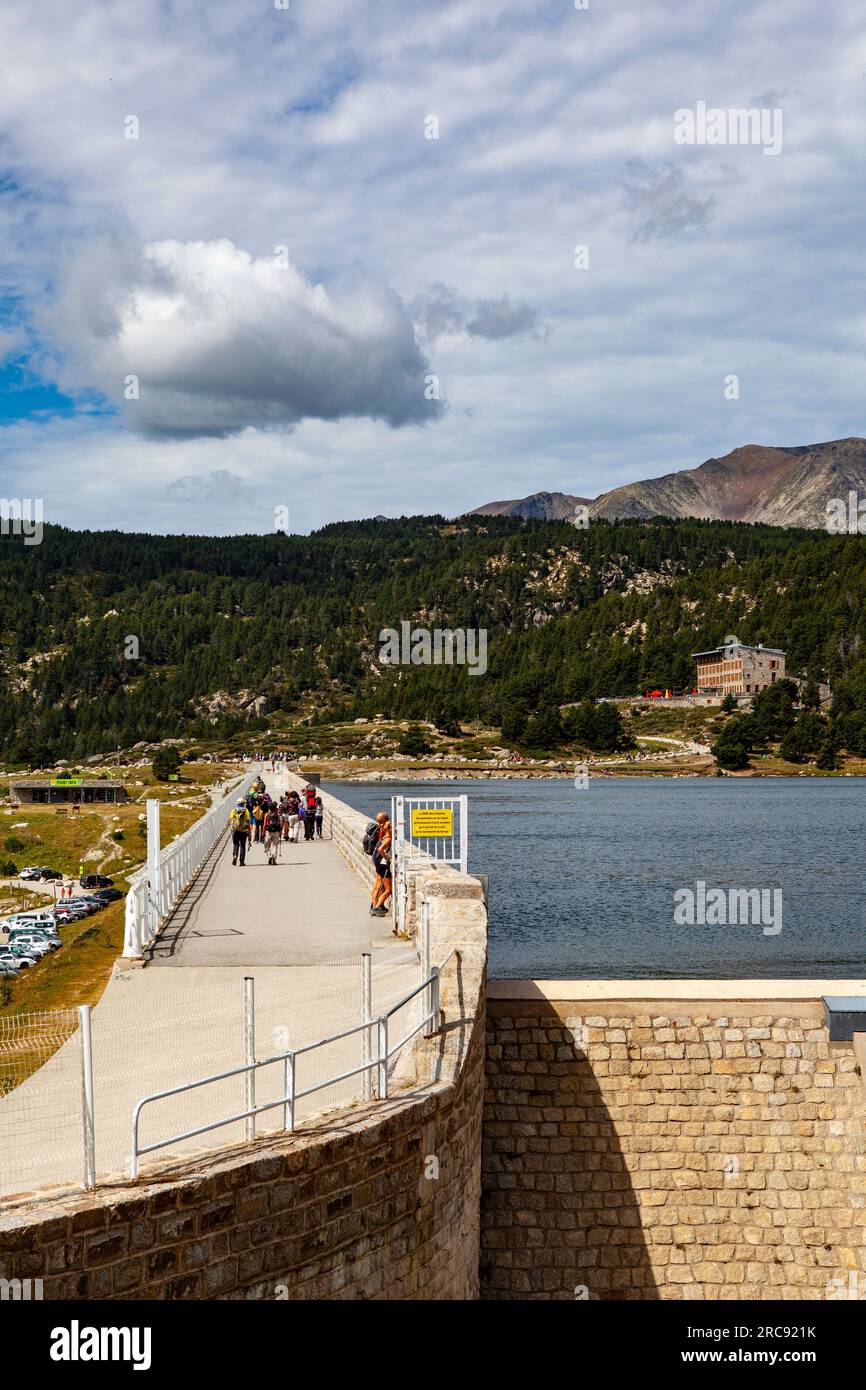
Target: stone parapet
[{"x": 677, "y": 1151}]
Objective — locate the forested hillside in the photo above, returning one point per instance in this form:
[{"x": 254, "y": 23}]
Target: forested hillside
[{"x": 613, "y": 609}]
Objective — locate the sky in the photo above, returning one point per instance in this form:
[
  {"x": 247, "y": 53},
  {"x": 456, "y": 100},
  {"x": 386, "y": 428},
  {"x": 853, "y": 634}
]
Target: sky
[{"x": 329, "y": 259}]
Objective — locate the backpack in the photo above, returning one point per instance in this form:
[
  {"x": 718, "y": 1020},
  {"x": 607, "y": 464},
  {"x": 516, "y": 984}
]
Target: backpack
[
  {"x": 371, "y": 837},
  {"x": 239, "y": 820},
  {"x": 273, "y": 821}
]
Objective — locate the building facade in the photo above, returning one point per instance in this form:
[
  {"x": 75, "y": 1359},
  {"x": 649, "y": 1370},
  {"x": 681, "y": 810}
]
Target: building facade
[
  {"x": 64, "y": 791},
  {"x": 739, "y": 670}
]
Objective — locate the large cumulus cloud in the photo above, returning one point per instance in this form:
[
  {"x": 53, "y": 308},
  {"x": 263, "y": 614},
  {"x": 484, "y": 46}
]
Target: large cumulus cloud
[{"x": 218, "y": 341}]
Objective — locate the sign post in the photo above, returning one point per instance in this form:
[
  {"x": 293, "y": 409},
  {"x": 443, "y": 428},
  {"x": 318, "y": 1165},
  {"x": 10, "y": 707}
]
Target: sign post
[
  {"x": 153, "y": 865},
  {"x": 438, "y": 830}
]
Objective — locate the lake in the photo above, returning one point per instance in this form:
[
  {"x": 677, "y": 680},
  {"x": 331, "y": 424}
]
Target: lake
[{"x": 582, "y": 882}]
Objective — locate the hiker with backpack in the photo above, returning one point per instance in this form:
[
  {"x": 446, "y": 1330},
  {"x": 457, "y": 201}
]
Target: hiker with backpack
[
  {"x": 319, "y": 816},
  {"x": 310, "y": 809},
  {"x": 292, "y": 813},
  {"x": 241, "y": 828},
  {"x": 273, "y": 829},
  {"x": 377, "y": 843},
  {"x": 258, "y": 820}
]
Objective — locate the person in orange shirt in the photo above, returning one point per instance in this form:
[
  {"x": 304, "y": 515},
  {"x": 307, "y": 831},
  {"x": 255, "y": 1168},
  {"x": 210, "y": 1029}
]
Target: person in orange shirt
[{"x": 382, "y": 865}]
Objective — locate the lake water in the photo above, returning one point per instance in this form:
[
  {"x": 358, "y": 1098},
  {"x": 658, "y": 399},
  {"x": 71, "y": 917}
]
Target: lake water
[{"x": 582, "y": 882}]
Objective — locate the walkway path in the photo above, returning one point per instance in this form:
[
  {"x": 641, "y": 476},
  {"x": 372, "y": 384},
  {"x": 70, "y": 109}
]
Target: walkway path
[
  {"x": 298, "y": 928},
  {"x": 308, "y": 907}
]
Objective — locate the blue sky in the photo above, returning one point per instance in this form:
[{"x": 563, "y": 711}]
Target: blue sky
[{"x": 283, "y": 293}]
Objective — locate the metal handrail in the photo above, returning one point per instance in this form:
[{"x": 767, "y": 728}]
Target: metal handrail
[
  {"x": 376, "y": 1065},
  {"x": 179, "y": 862}
]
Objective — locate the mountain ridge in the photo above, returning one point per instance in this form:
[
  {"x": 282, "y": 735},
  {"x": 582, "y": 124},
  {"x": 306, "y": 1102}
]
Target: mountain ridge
[{"x": 779, "y": 485}]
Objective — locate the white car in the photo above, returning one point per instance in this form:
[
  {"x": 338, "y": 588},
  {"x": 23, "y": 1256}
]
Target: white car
[
  {"x": 18, "y": 962},
  {"x": 32, "y": 919},
  {"x": 33, "y": 945},
  {"x": 27, "y": 931},
  {"x": 30, "y": 873}
]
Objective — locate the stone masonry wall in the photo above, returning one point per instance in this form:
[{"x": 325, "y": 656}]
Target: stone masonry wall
[
  {"x": 638, "y": 1151},
  {"x": 377, "y": 1201}
]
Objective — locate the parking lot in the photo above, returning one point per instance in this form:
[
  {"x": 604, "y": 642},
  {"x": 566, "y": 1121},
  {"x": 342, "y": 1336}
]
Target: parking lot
[{"x": 28, "y": 936}]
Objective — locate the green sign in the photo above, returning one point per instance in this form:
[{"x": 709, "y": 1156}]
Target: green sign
[
  {"x": 174, "y": 777},
  {"x": 67, "y": 782}
]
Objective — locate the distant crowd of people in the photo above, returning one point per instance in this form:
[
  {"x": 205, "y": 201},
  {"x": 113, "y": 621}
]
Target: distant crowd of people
[
  {"x": 259, "y": 818},
  {"x": 261, "y": 756}
]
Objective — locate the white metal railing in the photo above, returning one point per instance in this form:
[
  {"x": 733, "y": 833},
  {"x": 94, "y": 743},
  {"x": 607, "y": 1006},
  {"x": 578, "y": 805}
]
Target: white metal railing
[
  {"x": 374, "y": 1067},
  {"x": 151, "y": 897}
]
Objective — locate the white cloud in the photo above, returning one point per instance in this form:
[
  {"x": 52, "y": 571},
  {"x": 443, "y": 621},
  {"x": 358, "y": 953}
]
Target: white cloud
[
  {"x": 200, "y": 338},
  {"x": 306, "y": 128},
  {"x": 12, "y": 341}
]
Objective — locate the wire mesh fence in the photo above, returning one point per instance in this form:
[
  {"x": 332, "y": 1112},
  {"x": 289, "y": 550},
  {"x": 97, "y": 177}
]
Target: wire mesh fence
[
  {"x": 40, "y": 1059},
  {"x": 148, "y": 1037}
]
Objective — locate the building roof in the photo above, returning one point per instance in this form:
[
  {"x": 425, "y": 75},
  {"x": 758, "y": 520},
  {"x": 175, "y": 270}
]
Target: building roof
[
  {"x": 43, "y": 784},
  {"x": 739, "y": 647}
]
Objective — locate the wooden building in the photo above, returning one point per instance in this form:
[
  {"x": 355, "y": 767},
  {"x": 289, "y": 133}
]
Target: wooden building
[{"x": 65, "y": 791}]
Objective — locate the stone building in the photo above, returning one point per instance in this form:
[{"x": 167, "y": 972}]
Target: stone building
[{"x": 737, "y": 669}]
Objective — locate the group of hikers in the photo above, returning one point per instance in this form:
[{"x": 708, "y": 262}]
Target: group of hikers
[{"x": 260, "y": 819}]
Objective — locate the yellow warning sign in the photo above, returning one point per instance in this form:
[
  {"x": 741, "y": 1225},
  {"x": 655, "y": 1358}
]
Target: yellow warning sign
[{"x": 432, "y": 821}]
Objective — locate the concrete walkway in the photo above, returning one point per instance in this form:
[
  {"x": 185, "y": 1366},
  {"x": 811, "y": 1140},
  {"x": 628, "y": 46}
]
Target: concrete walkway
[
  {"x": 298, "y": 929},
  {"x": 308, "y": 907}
]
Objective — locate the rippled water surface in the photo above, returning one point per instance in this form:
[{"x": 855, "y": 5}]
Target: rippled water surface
[{"x": 582, "y": 882}]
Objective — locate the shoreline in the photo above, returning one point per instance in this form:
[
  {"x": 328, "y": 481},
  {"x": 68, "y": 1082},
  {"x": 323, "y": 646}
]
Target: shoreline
[{"x": 336, "y": 772}]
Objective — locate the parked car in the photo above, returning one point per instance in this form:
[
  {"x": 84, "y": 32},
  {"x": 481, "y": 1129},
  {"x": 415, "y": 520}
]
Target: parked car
[
  {"x": 18, "y": 950},
  {"x": 16, "y": 925},
  {"x": 18, "y": 958},
  {"x": 22, "y": 936},
  {"x": 42, "y": 918},
  {"x": 96, "y": 881},
  {"x": 109, "y": 895},
  {"x": 85, "y": 905},
  {"x": 31, "y": 936},
  {"x": 17, "y": 962},
  {"x": 50, "y": 875},
  {"x": 7, "y": 968},
  {"x": 35, "y": 946},
  {"x": 31, "y": 873}
]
